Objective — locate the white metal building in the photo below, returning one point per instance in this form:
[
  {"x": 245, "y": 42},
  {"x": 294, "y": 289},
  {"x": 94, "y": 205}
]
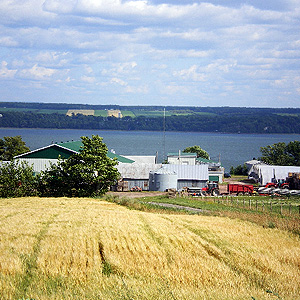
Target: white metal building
[{"x": 268, "y": 173}]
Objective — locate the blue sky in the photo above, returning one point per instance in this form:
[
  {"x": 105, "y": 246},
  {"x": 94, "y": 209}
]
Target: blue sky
[{"x": 180, "y": 52}]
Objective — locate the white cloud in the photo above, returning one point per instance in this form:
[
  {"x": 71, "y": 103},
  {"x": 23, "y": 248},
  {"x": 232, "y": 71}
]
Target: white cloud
[
  {"x": 5, "y": 72},
  {"x": 88, "y": 79},
  {"x": 118, "y": 81},
  {"x": 37, "y": 73},
  {"x": 215, "y": 49}
]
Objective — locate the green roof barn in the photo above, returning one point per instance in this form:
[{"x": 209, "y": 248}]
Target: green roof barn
[{"x": 64, "y": 150}]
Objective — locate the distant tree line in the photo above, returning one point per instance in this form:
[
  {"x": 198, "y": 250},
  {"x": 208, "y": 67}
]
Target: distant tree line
[
  {"x": 227, "y": 123},
  {"x": 225, "y": 110}
]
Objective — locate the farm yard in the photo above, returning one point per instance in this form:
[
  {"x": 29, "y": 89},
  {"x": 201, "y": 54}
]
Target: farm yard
[{"x": 82, "y": 248}]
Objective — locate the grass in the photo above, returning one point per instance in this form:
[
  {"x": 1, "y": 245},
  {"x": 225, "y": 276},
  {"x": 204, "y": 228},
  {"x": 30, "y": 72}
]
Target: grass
[{"x": 80, "y": 248}]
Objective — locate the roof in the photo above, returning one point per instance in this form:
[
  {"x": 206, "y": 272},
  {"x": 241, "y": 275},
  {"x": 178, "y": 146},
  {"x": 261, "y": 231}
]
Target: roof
[
  {"x": 147, "y": 159},
  {"x": 137, "y": 170},
  {"x": 180, "y": 153},
  {"x": 65, "y": 150}
]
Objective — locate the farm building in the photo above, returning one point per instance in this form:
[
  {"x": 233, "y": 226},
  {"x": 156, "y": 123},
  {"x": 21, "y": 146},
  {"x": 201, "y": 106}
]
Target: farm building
[
  {"x": 135, "y": 175},
  {"x": 263, "y": 173},
  {"x": 145, "y": 176},
  {"x": 190, "y": 176},
  {"x": 42, "y": 158},
  {"x": 181, "y": 158},
  {"x": 215, "y": 169}
]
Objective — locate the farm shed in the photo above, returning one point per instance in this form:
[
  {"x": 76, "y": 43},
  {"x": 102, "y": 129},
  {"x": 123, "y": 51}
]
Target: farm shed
[
  {"x": 189, "y": 175},
  {"x": 135, "y": 174},
  {"x": 268, "y": 173},
  {"x": 41, "y": 158}
]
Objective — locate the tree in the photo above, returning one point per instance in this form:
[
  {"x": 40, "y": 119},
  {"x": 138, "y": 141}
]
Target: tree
[
  {"x": 239, "y": 170},
  {"x": 281, "y": 154},
  {"x": 197, "y": 149},
  {"x": 87, "y": 173},
  {"x": 17, "y": 180},
  {"x": 12, "y": 146}
]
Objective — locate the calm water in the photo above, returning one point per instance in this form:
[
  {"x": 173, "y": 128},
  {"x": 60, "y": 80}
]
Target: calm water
[{"x": 233, "y": 149}]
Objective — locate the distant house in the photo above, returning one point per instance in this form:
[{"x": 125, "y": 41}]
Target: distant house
[{"x": 42, "y": 158}]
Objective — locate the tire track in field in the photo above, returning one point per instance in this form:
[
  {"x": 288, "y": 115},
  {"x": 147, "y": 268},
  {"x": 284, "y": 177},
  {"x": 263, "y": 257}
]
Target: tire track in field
[
  {"x": 29, "y": 261},
  {"x": 222, "y": 252},
  {"x": 158, "y": 239}
]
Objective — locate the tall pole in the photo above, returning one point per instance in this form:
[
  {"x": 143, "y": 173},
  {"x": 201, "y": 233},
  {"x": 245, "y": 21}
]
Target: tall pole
[{"x": 164, "y": 135}]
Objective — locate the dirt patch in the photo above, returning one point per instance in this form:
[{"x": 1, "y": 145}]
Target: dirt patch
[{"x": 136, "y": 194}]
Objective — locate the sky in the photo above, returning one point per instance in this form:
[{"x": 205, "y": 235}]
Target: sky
[{"x": 241, "y": 53}]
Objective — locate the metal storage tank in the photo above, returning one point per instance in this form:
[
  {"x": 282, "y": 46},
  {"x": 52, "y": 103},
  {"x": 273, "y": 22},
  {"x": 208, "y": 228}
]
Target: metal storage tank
[{"x": 162, "y": 180}]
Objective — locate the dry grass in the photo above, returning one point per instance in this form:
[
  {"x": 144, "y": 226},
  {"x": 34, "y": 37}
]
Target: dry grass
[
  {"x": 60, "y": 248},
  {"x": 86, "y": 112}
]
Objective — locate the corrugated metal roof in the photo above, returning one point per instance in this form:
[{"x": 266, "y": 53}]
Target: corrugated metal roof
[
  {"x": 137, "y": 170},
  {"x": 164, "y": 171},
  {"x": 65, "y": 150}
]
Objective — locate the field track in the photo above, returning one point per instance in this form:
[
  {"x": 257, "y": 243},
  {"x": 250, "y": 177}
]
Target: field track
[{"x": 79, "y": 248}]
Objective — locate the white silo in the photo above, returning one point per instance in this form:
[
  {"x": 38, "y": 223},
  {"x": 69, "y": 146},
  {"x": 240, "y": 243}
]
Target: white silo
[{"x": 162, "y": 180}]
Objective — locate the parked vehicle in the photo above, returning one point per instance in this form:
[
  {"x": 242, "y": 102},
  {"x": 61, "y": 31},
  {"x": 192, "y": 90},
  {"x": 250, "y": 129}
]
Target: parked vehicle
[
  {"x": 240, "y": 189},
  {"x": 213, "y": 189},
  {"x": 281, "y": 184}
]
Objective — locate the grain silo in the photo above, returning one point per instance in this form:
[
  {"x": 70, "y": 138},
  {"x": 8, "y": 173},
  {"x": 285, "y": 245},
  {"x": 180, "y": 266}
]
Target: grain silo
[{"x": 162, "y": 180}]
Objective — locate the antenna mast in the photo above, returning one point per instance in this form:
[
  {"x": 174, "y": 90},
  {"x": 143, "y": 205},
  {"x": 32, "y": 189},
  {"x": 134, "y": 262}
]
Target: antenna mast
[{"x": 164, "y": 136}]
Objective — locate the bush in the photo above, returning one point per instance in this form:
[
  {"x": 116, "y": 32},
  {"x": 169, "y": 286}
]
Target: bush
[{"x": 17, "y": 180}]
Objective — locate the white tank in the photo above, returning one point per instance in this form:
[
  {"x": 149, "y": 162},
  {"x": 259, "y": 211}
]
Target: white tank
[{"x": 162, "y": 180}]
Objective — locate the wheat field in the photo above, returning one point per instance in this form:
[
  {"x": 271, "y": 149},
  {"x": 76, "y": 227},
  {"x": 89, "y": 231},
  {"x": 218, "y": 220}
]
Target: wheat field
[{"x": 79, "y": 248}]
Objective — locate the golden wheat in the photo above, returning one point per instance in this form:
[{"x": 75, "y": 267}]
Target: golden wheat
[{"x": 60, "y": 248}]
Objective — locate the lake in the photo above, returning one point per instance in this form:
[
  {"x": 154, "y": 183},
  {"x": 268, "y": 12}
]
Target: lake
[{"x": 231, "y": 149}]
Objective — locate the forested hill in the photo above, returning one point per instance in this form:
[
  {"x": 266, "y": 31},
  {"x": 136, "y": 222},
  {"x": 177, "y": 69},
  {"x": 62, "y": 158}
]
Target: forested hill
[{"x": 198, "y": 119}]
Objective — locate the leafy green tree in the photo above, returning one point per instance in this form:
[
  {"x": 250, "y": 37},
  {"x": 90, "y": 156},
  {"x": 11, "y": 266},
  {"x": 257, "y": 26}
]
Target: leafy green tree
[
  {"x": 12, "y": 146},
  {"x": 239, "y": 170},
  {"x": 17, "y": 180},
  {"x": 197, "y": 149},
  {"x": 87, "y": 173},
  {"x": 281, "y": 154}
]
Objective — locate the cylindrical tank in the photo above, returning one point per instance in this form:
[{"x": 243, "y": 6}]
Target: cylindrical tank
[{"x": 162, "y": 180}]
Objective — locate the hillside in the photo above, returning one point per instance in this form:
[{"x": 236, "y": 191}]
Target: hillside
[
  {"x": 114, "y": 117},
  {"x": 60, "y": 248}
]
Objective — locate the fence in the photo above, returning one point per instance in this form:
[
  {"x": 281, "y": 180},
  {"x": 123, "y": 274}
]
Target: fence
[{"x": 270, "y": 205}]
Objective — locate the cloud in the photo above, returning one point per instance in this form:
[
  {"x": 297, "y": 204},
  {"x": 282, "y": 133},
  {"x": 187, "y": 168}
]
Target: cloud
[
  {"x": 88, "y": 79},
  {"x": 230, "y": 51},
  {"x": 5, "y": 72},
  {"x": 37, "y": 73}
]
